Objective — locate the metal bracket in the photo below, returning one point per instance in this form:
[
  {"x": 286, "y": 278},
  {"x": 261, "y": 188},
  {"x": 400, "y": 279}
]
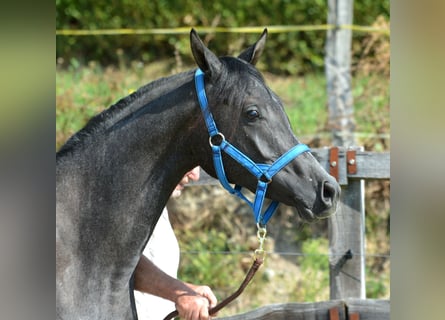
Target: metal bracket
[
  {"x": 333, "y": 162},
  {"x": 354, "y": 316},
  {"x": 351, "y": 162},
  {"x": 343, "y": 163},
  {"x": 334, "y": 314}
]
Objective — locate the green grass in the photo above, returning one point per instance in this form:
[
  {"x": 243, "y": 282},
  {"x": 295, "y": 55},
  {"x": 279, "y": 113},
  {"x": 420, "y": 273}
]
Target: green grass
[
  {"x": 305, "y": 102},
  {"x": 314, "y": 283}
]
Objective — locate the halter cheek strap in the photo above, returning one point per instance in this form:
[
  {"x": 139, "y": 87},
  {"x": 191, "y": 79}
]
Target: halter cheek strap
[{"x": 263, "y": 172}]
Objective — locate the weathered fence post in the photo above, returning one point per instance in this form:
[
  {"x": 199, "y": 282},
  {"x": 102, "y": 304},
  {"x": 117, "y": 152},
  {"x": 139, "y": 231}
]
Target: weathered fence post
[
  {"x": 346, "y": 228},
  {"x": 347, "y": 237},
  {"x": 338, "y": 73}
]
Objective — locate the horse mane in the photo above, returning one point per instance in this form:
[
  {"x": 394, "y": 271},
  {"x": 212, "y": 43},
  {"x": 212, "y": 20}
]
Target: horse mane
[
  {"x": 227, "y": 90},
  {"x": 122, "y": 108}
]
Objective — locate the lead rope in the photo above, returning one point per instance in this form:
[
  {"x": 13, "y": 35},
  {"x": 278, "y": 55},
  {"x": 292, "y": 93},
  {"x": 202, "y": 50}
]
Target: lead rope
[{"x": 259, "y": 257}]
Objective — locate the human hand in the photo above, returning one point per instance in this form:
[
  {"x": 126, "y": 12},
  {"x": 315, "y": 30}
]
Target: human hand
[
  {"x": 206, "y": 292},
  {"x": 193, "y": 306}
]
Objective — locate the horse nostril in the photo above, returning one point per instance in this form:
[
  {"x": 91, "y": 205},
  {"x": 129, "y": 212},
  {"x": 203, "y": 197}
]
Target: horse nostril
[{"x": 328, "y": 194}]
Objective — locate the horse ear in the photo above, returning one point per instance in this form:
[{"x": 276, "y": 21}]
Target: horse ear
[
  {"x": 205, "y": 59},
  {"x": 253, "y": 53}
]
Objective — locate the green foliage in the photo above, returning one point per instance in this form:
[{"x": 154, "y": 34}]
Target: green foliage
[
  {"x": 82, "y": 92},
  {"x": 305, "y": 101},
  {"x": 371, "y": 107},
  {"x": 202, "y": 265},
  {"x": 314, "y": 265},
  {"x": 377, "y": 284},
  {"x": 288, "y": 53}
]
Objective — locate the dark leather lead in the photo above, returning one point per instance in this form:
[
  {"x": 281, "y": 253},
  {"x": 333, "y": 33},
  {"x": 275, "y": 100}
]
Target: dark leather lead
[{"x": 253, "y": 269}]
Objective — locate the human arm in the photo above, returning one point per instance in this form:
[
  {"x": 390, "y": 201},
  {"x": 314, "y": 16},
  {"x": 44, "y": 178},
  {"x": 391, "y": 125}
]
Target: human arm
[{"x": 192, "y": 302}]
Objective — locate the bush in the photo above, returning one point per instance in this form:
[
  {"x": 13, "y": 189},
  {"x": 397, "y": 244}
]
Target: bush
[{"x": 289, "y": 53}]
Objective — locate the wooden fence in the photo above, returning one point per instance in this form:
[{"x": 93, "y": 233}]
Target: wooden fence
[{"x": 348, "y": 309}]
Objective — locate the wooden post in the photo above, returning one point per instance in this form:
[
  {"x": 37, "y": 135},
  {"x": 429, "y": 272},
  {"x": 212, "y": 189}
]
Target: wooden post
[
  {"x": 347, "y": 244},
  {"x": 338, "y": 73},
  {"x": 346, "y": 228}
]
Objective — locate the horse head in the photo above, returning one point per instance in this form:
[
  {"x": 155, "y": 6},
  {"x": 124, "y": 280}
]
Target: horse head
[{"x": 252, "y": 118}]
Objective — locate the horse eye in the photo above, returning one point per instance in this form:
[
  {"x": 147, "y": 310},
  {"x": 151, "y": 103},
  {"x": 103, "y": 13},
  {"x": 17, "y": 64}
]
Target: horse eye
[{"x": 252, "y": 114}]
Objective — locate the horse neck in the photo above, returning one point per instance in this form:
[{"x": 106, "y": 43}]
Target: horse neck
[
  {"x": 156, "y": 136},
  {"x": 141, "y": 150},
  {"x": 113, "y": 179}
]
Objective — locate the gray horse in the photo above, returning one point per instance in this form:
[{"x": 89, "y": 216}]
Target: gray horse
[{"x": 116, "y": 174}]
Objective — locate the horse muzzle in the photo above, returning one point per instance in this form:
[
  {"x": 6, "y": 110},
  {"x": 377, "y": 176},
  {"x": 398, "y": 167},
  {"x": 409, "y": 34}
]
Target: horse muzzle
[{"x": 325, "y": 203}]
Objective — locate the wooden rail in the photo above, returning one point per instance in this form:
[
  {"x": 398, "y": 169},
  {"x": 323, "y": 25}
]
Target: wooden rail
[
  {"x": 347, "y": 309},
  {"x": 370, "y": 165}
]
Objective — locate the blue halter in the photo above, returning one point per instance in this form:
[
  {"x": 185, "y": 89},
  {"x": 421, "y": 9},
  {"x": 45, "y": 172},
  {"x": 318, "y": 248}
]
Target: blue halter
[{"x": 263, "y": 172}]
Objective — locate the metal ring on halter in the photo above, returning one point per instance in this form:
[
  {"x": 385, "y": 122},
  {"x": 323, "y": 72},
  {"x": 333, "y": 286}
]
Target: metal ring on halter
[
  {"x": 265, "y": 179},
  {"x": 221, "y": 137}
]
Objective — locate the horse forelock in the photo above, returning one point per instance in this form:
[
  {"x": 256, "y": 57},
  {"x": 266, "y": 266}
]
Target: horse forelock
[{"x": 234, "y": 81}]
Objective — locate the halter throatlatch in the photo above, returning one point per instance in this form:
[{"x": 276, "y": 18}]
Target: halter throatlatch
[{"x": 263, "y": 172}]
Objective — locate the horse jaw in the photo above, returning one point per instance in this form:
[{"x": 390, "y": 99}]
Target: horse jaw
[{"x": 309, "y": 188}]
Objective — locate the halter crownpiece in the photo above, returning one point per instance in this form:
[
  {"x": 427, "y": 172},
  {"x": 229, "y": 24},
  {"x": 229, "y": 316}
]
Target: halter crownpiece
[{"x": 263, "y": 172}]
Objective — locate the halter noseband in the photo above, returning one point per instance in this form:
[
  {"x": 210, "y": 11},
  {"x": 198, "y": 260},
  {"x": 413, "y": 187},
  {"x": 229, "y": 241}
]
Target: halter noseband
[{"x": 263, "y": 172}]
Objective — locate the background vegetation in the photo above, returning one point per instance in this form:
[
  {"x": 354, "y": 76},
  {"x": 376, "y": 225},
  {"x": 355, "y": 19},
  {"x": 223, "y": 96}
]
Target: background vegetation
[
  {"x": 291, "y": 53},
  {"x": 217, "y": 235}
]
